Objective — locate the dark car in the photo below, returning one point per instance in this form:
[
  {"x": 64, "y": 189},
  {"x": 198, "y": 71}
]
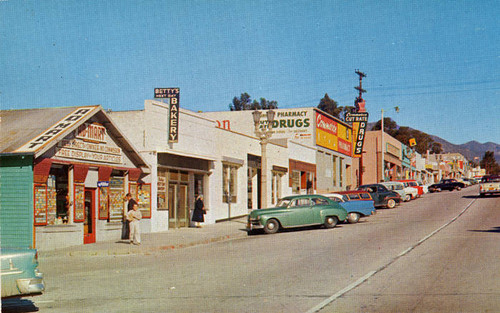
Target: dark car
[
  {"x": 382, "y": 196},
  {"x": 446, "y": 184}
]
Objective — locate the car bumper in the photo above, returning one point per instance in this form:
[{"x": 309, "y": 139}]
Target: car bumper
[
  {"x": 29, "y": 286},
  {"x": 254, "y": 225}
]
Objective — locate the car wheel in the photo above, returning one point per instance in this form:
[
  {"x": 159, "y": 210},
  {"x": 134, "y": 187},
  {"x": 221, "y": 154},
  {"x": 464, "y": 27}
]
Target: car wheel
[
  {"x": 391, "y": 204},
  {"x": 331, "y": 221},
  {"x": 407, "y": 198},
  {"x": 272, "y": 226},
  {"x": 459, "y": 188},
  {"x": 353, "y": 217}
]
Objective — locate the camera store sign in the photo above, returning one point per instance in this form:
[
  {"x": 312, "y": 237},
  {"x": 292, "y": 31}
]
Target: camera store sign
[
  {"x": 173, "y": 95},
  {"x": 50, "y": 134}
]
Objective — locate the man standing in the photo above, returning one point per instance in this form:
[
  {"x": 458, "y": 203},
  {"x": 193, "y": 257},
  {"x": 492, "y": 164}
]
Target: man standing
[
  {"x": 134, "y": 217},
  {"x": 130, "y": 207}
]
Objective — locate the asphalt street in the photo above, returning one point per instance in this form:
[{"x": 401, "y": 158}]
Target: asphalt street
[{"x": 435, "y": 254}]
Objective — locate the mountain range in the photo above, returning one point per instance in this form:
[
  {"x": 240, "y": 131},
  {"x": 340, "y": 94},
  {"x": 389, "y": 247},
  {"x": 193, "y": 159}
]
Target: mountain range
[{"x": 472, "y": 150}]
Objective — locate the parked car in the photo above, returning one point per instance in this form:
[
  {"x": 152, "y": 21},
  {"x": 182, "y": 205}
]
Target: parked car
[
  {"x": 355, "y": 209},
  {"x": 489, "y": 184},
  {"x": 401, "y": 189},
  {"x": 382, "y": 196},
  {"x": 446, "y": 184},
  {"x": 356, "y": 195},
  {"x": 413, "y": 183},
  {"x": 19, "y": 273},
  {"x": 296, "y": 211}
]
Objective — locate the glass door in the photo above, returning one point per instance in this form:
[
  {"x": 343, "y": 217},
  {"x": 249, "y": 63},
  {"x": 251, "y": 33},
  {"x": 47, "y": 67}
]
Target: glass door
[{"x": 177, "y": 205}]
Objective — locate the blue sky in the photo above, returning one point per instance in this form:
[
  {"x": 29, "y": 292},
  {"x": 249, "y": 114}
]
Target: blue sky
[{"x": 438, "y": 61}]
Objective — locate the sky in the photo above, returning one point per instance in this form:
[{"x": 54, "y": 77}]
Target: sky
[{"x": 438, "y": 61}]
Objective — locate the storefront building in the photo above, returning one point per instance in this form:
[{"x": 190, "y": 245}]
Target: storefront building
[
  {"x": 374, "y": 149},
  {"x": 222, "y": 165},
  {"x": 329, "y": 169},
  {"x": 64, "y": 175}
]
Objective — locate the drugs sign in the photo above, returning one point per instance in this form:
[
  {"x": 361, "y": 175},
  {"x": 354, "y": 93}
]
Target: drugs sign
[{"x": 359, "y": 123}]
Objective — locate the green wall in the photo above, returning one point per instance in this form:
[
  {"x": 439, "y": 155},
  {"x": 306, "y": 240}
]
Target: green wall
[{"x": 16, "y": 201}]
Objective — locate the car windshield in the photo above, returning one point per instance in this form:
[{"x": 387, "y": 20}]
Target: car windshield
[
  {"x": 491, "y": 179},
  {"x": 283, "y": 203}
]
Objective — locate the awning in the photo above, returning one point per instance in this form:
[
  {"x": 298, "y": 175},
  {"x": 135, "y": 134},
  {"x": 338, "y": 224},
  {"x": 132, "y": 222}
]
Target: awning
[{"x": 189, "y": 155}]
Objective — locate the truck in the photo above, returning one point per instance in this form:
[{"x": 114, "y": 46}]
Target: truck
[{"x": 489, "y": 184}]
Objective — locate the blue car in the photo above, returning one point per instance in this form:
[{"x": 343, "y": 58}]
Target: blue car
[
  {"x": 355, "y": 209},
  {"x": 19, "y": 273}
]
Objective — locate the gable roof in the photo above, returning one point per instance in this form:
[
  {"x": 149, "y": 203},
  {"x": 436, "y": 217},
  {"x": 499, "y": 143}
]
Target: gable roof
[{"x": 34, "y": 131}]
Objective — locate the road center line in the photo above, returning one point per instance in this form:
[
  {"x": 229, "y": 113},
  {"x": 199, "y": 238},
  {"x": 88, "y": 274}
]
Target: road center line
[{"x": 370, "y": 274}]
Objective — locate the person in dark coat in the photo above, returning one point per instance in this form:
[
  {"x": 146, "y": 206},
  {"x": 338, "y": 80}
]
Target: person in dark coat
[
  {"x": 126, "y": 223},
  {"x": 199, "y": 211}
]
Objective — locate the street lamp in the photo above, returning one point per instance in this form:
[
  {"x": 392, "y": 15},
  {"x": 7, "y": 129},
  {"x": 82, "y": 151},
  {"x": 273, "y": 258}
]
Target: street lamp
[{"x": 264, "y": 134}]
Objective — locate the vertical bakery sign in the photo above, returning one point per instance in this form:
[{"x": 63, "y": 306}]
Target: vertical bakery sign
[{"x": 172, "y": 94}]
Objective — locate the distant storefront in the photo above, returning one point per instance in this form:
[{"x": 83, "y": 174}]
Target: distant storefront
[{"x": 76, "y": 169}]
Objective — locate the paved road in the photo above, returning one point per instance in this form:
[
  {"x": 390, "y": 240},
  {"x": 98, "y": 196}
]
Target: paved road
[{"x": 430, "y": 254}]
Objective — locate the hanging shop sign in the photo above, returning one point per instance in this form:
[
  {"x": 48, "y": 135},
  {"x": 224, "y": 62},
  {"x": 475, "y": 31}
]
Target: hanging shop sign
[
  {"x": 359, "y": 122},
  {"x": 173, "y": 94},
  {"x": 55, "y": 130}
]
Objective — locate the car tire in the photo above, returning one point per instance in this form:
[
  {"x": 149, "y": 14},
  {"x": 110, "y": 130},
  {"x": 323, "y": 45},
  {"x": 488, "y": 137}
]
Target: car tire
[
  {"x": 459, "y": 188},
  {"x": 272, "y": 226},
  {"x": 353, "y": 217},
  {"x": 407, "y": 198},
  {"x": 331, "y": 221},
  {"x": 391, "y": 204}
]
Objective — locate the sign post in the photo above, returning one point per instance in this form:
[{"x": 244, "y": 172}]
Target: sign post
[{"x": 173, "y": 94}]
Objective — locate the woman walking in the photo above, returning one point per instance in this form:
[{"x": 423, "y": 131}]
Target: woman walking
[{"x": 199, "y": 211}]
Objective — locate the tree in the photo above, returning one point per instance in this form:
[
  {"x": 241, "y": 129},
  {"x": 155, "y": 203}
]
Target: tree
[
  {"x": 244, "y": 102},
  {"x": 404, "y": 134},
  {"x": 330, "y": 106},
  {"x": 390, "y": 126},
  {"x": 489, "y": 163}
]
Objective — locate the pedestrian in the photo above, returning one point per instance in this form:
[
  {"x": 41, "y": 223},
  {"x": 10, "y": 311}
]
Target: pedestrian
[
  {"x": 130, "y": 207},
  {"x": 134, "y": 217},
  {"x": 199, "y": 211}
]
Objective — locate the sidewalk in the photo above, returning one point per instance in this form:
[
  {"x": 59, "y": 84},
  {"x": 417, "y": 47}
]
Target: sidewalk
[{"x": 158, "y": 242}]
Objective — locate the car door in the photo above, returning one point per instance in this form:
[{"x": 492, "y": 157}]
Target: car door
[
  {"x": 383, "y": 192},
  {"x": 317, "y": 206},
  {"x": 299, "y": 213}
]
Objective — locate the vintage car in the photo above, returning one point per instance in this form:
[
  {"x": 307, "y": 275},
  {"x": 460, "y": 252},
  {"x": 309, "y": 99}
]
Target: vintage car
[
  {"x": 406, "y": 193},
  {"x": 296, "y": 211},
  {"x": 19, "y": 273},
  {"x": 413, "y": 184},
  {"x": 446, "y": 184},
  {"x": 382, "y": 196},
  {"x": 489, "y": 184},
  {"x": 355, "y": 209}
]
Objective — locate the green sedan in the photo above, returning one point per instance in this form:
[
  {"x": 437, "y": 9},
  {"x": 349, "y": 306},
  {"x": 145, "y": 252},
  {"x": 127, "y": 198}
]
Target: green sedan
[{"x": 297, "y": 211}]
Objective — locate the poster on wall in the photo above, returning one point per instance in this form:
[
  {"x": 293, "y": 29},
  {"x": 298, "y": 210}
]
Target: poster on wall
[
  {"x": 103, "y": 203},
  {"x": 79, "y": 203},
  {"x": 144, "y": 199},
  {"x": 116, "y": 194},
  {"x": 51, "y": 205},
  {"x": 40, "y": 205}
]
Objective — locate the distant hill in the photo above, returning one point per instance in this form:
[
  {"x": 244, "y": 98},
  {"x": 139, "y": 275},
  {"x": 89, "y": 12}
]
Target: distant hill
[{"x": 470, "y": 150}]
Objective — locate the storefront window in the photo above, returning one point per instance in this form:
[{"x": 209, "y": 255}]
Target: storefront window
[
  {"x": 296, "y": 182},
  {"x": 229, "y": 183},
  {"x": 276, "y": 187},
  {"x": 116, "y": 192}
]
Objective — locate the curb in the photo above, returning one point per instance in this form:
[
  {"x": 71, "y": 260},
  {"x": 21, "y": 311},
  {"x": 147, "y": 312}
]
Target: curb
[{"x": 142, "y": 250}]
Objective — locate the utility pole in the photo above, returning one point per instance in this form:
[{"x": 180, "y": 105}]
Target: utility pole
[{"x": 359, "y": 103}]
